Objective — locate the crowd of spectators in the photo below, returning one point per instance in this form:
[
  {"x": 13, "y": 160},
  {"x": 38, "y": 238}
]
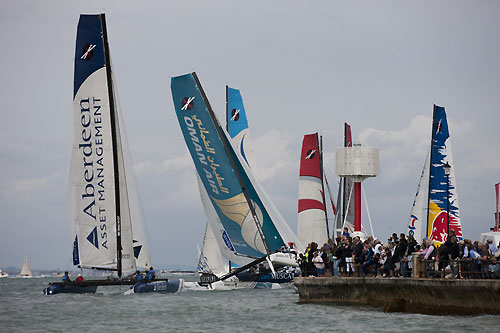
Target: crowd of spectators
[{"x": 347, "y": 256}]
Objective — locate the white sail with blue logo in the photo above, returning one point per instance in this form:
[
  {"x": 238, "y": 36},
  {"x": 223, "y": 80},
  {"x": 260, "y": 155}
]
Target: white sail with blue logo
[
  {"x": 252, "y": 223},
  {"x": 100, "y": 175},
  {"x": 210, "y": 260}
]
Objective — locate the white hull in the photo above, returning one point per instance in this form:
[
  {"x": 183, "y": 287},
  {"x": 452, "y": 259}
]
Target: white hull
[{"x": 219, "y": 285}]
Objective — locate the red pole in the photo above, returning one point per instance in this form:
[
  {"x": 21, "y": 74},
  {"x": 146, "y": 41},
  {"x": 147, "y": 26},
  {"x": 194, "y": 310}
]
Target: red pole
[{"x": 357, "y": 206}]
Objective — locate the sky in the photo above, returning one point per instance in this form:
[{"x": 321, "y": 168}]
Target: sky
[{"x": 301, "y": 67}]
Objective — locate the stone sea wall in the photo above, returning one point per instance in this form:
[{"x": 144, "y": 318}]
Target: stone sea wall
[{"x": 428, "y": 296}]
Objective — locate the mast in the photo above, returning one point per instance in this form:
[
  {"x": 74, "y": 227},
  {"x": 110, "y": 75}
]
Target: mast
[
  {"x": 343, "y": 183},
  {"x": 227, "y": 109},
  {"x": 113, "y": 121},
  {"x": 322, "y": 183},
  {"x": 430, "y": 171},
  {"x": 233, "y": 163}
]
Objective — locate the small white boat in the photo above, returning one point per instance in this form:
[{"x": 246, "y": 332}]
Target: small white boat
[
  {"x": 26, "y": 270},
  {"x": 3, "y": 274}
]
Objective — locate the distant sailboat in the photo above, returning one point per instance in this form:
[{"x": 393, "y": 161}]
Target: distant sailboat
[
  {"x": 429, "y": 217},
  {"x": 106, "y": 218},
  {"x": 3, "y": 274},
  {"x": 26, "y": 270},
  {"x": 254, "y": 226}
]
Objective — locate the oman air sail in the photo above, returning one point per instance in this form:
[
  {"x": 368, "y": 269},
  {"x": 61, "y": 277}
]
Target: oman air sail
[
  {"x": 237, "y": 128},
  {"x": 312, "y": 223},
  {"x": 252, "y": 223}
]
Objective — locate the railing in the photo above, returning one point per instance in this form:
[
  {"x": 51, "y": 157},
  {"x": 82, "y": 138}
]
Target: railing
[{"x": 460, "y": 268}]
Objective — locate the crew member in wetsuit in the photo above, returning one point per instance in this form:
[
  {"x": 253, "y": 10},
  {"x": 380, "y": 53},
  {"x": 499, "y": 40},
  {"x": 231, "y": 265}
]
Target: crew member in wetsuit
[
  {"x": 138, "y": 276},
  {"x": 66, "y": 278},
  {"x": 151, "y": 275}
]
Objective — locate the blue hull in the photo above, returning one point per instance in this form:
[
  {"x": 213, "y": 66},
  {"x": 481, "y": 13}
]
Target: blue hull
[
  {"x": 170, "y": 286},
  {"x": 61, "y": 289}
]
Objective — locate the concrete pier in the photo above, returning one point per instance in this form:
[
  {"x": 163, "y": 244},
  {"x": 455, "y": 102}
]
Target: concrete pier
[{"x": 428, "y": 296}]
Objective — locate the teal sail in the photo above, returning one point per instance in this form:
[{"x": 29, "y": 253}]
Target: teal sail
[
  {"x": 248, "y": 217},
  {"x": 237, "y": 126}
]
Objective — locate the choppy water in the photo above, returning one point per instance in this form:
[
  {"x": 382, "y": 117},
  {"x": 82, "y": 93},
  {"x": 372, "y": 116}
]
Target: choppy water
[{"x": 23, "y": 307}]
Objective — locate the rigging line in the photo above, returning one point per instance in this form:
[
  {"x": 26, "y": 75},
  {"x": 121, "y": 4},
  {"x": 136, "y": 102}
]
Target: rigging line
[{"x": 348, "y": 203}]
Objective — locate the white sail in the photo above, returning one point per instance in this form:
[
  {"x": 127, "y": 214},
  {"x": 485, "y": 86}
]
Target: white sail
[
  {"x": 26, "y": 270},
  {"x": 418, "y": 214},
  {"x": 210, "y": 260},
  {"x": 92, "y": 176},
  {"x": 140, "y": 242},
  {"x": 101, "y": 169},
  {"x": 128, "y": 260}
]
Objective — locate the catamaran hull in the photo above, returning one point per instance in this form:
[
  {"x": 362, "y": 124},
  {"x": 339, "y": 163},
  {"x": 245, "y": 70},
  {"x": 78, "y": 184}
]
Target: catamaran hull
[
  {"x": 57, "y": 288},
  {"x": 166, "y": 287}
]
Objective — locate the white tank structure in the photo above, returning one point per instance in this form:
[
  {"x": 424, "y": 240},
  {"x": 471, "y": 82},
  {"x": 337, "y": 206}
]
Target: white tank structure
[{"x": 357, "y": 163}]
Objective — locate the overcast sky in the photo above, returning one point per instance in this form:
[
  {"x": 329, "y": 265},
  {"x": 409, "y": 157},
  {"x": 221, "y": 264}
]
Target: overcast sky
[{"x": 302, "y": 66}]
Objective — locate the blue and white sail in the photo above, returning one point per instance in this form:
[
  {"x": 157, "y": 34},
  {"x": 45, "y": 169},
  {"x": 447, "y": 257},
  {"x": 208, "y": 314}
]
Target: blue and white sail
[
  {"x": 252, "y": 223},
  {"x": 100, "y": 208},
  {"x": 237, "y": 126}
]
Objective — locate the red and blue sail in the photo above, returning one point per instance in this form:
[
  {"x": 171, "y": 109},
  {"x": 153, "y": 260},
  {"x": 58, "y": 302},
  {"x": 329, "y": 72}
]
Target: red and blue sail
[{"x": 437, "y": 225}]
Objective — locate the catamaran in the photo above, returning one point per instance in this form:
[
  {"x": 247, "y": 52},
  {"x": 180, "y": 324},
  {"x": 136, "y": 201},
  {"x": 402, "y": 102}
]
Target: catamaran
[
  {"x": 253, "y": 225},
  {"x": 210, "y": 262},
  {"x": 436, "y": 192},
  {"x": 106, "y": 219}
]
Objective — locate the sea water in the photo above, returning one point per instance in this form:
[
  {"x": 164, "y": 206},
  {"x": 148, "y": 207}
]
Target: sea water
[{"x": 23, "y": 307}]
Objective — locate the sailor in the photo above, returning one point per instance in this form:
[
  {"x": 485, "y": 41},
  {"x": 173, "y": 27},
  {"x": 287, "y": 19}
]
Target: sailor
[
  {"x": 151, "y": 275},
  {"x": 66, "y": 278},
  {"x": 138, "y": 276},
  {"x": 79, "y": 278}
]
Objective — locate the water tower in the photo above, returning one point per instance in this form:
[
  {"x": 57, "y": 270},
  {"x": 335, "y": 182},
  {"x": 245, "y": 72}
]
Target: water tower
[{"x": 357, "y": 163}]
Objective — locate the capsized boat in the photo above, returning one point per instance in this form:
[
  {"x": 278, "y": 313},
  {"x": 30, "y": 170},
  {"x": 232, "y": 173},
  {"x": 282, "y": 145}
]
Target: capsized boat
[
  {"x": 211, "y": 264},
  {"x": 26, "y": 270},
  {"x": 107, "y": 229},
  {"x": 254, "y": 226},
  {"x": 428, "y": 216}
]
